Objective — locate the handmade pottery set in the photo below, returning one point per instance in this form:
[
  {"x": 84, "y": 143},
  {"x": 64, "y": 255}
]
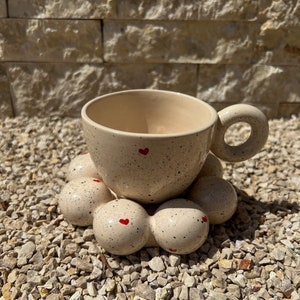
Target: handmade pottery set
[{"x": 152, "y": 174}]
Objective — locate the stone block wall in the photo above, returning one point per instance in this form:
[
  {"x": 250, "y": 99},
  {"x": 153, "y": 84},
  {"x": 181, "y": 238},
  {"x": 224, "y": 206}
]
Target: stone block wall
[{"x": 57, "y": 55}]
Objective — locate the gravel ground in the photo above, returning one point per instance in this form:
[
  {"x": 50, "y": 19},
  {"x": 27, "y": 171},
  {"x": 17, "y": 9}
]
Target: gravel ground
[{"x": 255, "y": 255}]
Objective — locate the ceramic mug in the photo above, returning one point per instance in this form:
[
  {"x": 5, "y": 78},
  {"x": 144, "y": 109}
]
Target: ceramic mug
[{"x": 149, "y": 145}]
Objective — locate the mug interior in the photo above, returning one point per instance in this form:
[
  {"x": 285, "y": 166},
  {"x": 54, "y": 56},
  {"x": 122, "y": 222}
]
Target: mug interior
[{"x": 150, "y": 112}]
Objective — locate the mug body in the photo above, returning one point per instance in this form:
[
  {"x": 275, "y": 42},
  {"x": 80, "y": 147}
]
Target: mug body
[{"x": 148, "y": 145}]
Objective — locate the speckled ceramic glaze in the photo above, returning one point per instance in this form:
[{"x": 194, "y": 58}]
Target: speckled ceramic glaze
[
  {"x": 80, "y": 197},
  {"x": 235, "y": 114},
  {"x": 211, "y": 167},
  {"x": 149, "y": 145},
  {"x": 82, "y": 166},
  {"x": 180, "y": 226},
  {"x": 216, "y": 197},
  {"x": 123, "y": 226}
]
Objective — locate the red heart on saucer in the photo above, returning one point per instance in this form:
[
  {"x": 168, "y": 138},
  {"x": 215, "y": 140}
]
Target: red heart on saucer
[
  {"x": 124, "y": 221},
  {"x": 204, "y": 219}
]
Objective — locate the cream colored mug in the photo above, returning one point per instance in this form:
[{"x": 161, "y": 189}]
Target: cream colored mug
[{"x": 149, "y": 145}]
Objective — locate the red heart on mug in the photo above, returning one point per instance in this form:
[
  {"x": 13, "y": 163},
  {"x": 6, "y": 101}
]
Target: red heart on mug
[
  {"x": 124, "y": 221},
  {"x": 144, "y": 151}
]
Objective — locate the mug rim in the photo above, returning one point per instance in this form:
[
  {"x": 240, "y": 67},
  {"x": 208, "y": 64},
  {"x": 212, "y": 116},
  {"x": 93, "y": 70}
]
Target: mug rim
[{"x": 87, "y": 119}]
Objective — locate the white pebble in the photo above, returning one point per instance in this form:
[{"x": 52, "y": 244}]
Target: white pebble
[{"x": 156, "y": 264}]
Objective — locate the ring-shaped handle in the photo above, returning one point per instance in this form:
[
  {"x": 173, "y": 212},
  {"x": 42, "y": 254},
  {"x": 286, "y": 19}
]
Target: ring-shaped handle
[{"x": 258, "y": 136}]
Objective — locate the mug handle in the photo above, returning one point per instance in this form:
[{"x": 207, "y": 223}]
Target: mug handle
[{"x": 234, "y": 114}]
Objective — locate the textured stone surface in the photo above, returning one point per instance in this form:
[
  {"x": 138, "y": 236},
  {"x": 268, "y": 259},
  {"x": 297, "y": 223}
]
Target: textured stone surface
[
  {"x": 71, "y": 9},
  {"x": 281, "y": 11},
  {"x": 232, "y": 51},
  {"x": 279, "y": 45},
  {"x": 278, "y": 39},
  {"x": 263, "y": 86},
  {"x": 5, "y": 100},
  {"x": 188, "y": 10},
  {"x": 42, "y": 88},
  {"x": 181, "y": 42},
  {"x": 3, "y": 9},
  {"x": 39, "y": 88},
  {"x": 50, "y": 40}
]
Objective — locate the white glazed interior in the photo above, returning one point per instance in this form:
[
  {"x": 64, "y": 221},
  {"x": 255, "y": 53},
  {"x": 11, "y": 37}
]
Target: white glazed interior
[{"x": 149, "y": 112}]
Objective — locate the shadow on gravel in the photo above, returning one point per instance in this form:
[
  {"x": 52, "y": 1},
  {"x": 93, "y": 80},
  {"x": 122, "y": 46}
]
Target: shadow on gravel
[{"x": 252, "y": 219}]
